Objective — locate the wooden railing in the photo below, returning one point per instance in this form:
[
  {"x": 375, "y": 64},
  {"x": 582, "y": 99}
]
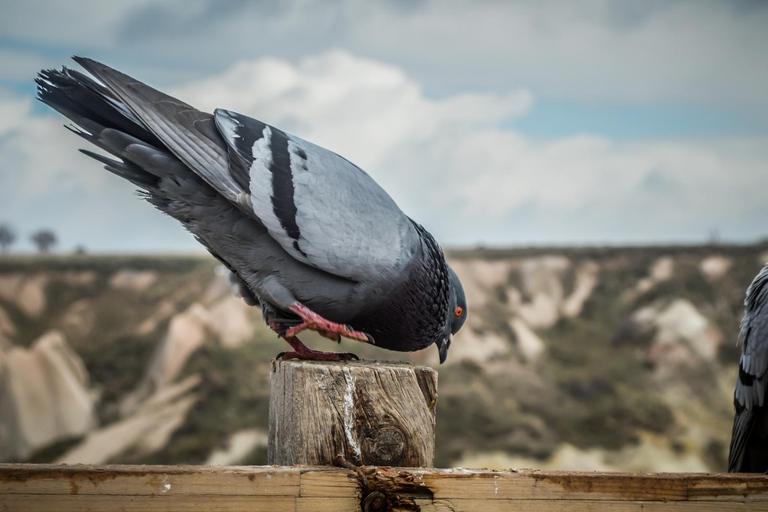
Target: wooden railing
[{"x": 54, "y": 488}]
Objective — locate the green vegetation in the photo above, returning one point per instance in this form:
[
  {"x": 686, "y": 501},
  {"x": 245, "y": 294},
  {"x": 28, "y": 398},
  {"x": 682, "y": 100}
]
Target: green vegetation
[{"x": 233, "y": 395}]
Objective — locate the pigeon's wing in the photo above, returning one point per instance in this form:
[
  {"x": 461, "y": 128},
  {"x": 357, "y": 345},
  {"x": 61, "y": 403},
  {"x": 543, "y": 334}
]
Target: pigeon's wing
[
  {"x": 322, "y": 209},
  {"x": 752, "y": 382},
  {"x": 189, "y": 133},
  {"x": 753, "y": 336}
]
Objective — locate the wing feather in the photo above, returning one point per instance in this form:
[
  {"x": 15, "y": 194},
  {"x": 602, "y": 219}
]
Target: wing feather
[
  {"x": 322, "y": 209},
  {"x": 742, "y": 428},
  {"x": 182, "y": 129},
  {"x": 752, "y": 381}
]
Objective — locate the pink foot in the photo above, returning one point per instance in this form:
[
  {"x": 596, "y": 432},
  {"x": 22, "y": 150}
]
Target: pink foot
[
  {"x": 332, "y": 330},
  {"x": 301, "y": 351}
]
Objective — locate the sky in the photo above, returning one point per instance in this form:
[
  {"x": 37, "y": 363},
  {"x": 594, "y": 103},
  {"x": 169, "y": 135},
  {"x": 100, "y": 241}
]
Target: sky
[{"x": 495, "y": 123}]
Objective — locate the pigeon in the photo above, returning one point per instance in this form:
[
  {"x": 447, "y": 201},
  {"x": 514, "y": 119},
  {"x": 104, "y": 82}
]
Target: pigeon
[
  {"x": 307, "y": 235},
  {"x": 749, "y": 440}
]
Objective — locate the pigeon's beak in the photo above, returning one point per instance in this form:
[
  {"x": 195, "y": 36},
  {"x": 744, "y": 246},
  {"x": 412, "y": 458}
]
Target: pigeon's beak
[{"x": 442, "y": 347}]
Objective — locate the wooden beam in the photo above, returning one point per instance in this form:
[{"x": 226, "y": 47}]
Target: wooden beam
[
  {"x": 53, "y": 488},
  {"x": 372, "y": 413}
]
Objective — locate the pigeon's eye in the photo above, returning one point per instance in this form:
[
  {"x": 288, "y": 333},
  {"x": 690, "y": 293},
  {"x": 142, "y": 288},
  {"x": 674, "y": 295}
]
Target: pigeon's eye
[{"x": 459, "y": 311}]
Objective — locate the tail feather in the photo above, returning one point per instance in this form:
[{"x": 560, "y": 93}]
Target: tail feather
[
  {"x": 742, "y": 428},
  {"x": 148, "y": 158},
  {"x": 84, "y": 101},
  {"x": 107, "y": 123},
  {"x": 126, "y": 170},
  {"x": 168, "y": 181},
  {"x": 190, "y": 134}
]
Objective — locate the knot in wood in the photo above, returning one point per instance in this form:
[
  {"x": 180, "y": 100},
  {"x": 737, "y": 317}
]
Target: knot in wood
[
  {"x": 389, "y": 445},
  {"x": 375, "y": 502}
]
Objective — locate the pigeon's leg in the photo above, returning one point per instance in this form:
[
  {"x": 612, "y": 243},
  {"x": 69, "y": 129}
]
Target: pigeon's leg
[
  {"x": 283, "y": 299},
  {"x": 315, "y": 322},
  {"x": 281, "y": 329},
  {"x": 301, "y": 351}
]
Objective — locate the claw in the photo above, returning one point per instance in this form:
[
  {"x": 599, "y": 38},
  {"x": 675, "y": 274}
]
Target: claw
[
  {"x": 316, "y": 355},
  {"x": 301, "y": 351}
]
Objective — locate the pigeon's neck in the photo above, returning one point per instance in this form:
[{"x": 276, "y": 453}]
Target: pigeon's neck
[
  {"x": 419, "y": 302},
  {"x": 433, "y": 288}
]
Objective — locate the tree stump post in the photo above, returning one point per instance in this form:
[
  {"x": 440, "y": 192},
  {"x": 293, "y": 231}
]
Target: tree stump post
[{"x": 372, "y": 413}]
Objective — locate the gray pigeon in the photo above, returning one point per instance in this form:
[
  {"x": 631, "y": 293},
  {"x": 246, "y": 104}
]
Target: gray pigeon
[
  {"x": 749, "y": 440},
  {"x": 307, "y": 235}
]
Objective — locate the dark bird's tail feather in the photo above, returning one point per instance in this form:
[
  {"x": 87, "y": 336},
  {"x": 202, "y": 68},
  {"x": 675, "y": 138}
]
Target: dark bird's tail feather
[
  {"x": 189, "y": 134},
  {"x": 100, "y": 119},
  {"x": 85, "y": 101},
  {"x": 103, "y": 120},
  {"x": 742, "y": 427},
  {"x": 141, "y": 157}
]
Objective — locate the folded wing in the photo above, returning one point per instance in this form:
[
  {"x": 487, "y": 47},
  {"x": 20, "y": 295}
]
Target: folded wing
[{"x": 322, "y": 209}]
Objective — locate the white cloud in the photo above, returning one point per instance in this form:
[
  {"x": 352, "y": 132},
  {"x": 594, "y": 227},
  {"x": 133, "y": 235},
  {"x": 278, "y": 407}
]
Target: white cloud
[
  {"x": 339, "y": 101},
  {"x": 13, "y": 110},
  {"x": 73, "y": 23},
  {"x": 22, "y": 65},
  {"x": 600, "y": 51},
  {"x": 596, "y": 50},
  {"x": 453, "y": 164}
]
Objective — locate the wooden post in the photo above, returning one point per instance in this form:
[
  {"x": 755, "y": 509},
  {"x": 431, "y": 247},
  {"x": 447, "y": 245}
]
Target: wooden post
[{"x": 371, "y": 413}]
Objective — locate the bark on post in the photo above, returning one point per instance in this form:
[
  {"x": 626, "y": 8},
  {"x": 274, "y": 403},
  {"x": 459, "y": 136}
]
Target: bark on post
[{"x": 371, "y": 413}]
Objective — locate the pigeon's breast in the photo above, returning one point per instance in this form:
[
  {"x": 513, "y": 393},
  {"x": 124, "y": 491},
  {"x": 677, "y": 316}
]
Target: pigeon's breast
[{"x": 410, "y": 309}]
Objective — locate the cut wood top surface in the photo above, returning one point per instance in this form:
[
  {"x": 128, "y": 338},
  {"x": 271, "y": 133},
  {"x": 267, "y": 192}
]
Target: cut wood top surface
[{"x": 363, "y": 363}]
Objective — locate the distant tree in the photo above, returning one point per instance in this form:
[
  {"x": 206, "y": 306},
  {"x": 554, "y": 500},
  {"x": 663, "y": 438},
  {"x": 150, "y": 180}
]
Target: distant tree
[
  {"x": 44, "y": 240},
  {"x": 7, "y": 237}
]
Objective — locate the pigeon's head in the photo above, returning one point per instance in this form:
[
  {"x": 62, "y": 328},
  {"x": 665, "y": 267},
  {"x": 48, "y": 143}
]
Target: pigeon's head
[{"x": 457, "y": 314}]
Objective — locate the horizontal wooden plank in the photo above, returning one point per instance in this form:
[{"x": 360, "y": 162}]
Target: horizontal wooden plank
[
  {"x": 144, "y": 503},
  {"x": 327, "y": 505},
  {"x": 149, "y": 480},
  {"x": 329, "y": 484},
  {"x": 51, "y": 503},
  {"x": 85, "y": 503},
  {"x": 61, "y": 488},
  {"x": 468, "y": 505},
  {"x": 563, "y": 485}
]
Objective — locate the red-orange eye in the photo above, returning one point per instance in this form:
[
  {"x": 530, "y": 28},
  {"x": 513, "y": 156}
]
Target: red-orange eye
[{"x": 459, "y": 311}]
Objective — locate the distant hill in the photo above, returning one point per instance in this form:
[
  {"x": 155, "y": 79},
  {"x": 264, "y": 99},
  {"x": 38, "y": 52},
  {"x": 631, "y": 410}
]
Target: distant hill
[{"x": 572, "y": 358}]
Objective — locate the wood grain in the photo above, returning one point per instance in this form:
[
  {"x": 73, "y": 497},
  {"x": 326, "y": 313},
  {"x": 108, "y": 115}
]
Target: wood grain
[
  {"x": 54, "y": 488},
  {"x": 372, "y": 413}
]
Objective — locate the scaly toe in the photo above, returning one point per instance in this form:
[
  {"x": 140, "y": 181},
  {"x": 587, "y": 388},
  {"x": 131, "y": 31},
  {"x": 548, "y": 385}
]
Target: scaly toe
[{"x": 293, "y": 331}]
